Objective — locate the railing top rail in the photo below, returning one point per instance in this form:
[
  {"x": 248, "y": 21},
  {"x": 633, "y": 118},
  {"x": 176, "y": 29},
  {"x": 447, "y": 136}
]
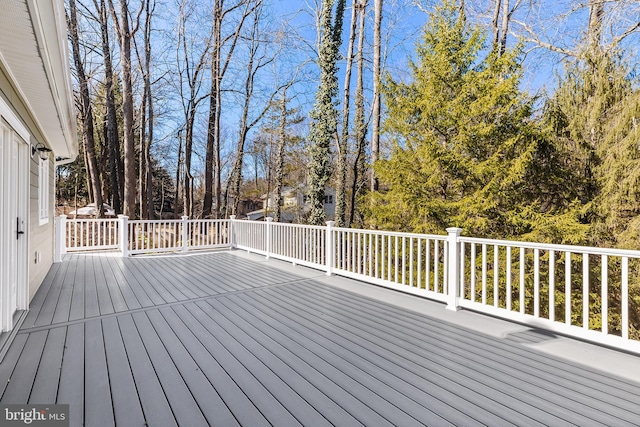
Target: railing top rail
[
  {"x": 394, "y": 233},
  {"x": 91, "y": 219},
  {"x": 308, "y": 227},
  {"x": 554, "y": 247}
]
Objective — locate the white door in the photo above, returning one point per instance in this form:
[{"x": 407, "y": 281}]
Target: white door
[{"x": 13, "y": 211}]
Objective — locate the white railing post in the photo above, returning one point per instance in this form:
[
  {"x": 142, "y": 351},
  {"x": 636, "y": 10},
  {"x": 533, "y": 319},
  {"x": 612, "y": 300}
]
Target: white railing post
[
  {"x": 232, "y": 238},
  {"x": 268, "y": 236},
  {"x": 329, "y": 248},
  {"x": 61, "y": 238},
  {"x": 453, "y": 271},
  {"x": 124, "y": 235},
  {"x": 185, "y": 232}
]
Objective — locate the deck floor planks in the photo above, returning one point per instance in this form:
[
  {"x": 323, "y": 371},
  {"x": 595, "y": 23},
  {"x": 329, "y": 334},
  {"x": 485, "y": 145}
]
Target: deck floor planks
[
  {"x": 105, "y": 303},
  {"x": 182, "y": 403},
  {"x": 91, "y": 306},
  {"x": 9, "y": 363},
  {"x": 399, "y": 394},
  {"x": 211, "y": 404},
  {"x": 365, "y": 387},
  {"x": 154, "y": 402},
  {"x": 76, "y": 310},
  {"x": 124, "y": 395},
  {"x": 21, "y": 382},
  {"x": 489, "y": 383},
  {"x": 166, "y": 271},
  {"x": 41, "y": 297},
  {"x": 146, "y": 295},
  {"x": 58, "y": 295},
  {"x": 71, "y": 388},
  {"x": 324, "y": 395},
  {"x": 97, "y": 396},
  {"x": 543, "y": 373},
  {"x": 45, "y": 386},
  {"x": 248, "y": 355},
  {"x": 240, "y": 405},
  {"x": 261, "y": 397},
  {"x": 116, "y": 296},
  {"x": 220, "y": 339},
  {"x": 119, "y": 287},
  {"x": 136, "y": 278},
  {"x": 530, "y": 383}
]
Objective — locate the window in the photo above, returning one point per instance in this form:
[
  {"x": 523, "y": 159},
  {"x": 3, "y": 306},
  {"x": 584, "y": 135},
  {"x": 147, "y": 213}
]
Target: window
[
  {"x": 328, "y": 199},
  {"x": 43, "y": 191}
]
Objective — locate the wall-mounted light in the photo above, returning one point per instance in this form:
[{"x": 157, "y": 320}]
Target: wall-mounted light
[{"x": 40, "y": 147}]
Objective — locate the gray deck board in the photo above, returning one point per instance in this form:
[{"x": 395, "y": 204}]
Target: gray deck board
[
  {"x": 126, "y": 404},
  {"x": 152, "y": 397},
  {"x": 71, "y": 388},
  {"x": 45, "y": 386},
  {"x": 538, "y": 379},
  {"x": 220, "y": 339},
  {"x": 97, "y": 396},
  {"x": 211, "y": 404},
  {"x": 373, "y": 377}
]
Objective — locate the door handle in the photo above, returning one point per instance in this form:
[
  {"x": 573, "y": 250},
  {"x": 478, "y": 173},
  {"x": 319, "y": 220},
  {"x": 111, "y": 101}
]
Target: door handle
[{"x": 18, "y": 231}]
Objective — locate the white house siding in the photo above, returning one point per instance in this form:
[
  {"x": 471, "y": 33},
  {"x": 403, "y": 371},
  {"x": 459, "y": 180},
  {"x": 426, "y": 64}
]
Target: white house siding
[{"x": 41, "y": 237}]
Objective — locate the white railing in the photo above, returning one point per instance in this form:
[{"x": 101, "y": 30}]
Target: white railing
[
  {"x": 414, "y": 263},
  {"x": 585, "y": 292},
  {"x": 175, "y": 235},
  {"x": 88, "y": 234},
  {"x": 582, "y": 291}
]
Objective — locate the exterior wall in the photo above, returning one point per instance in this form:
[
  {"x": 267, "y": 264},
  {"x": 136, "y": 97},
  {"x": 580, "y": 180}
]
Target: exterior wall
[{"x": 41, "y": 237}]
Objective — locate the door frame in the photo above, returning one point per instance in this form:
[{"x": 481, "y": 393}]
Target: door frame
[{"x": 16, "y": 134}]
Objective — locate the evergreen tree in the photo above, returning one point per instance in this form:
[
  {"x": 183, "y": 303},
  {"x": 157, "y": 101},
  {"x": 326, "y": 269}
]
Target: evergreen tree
[
  {"x": 324, "y": 116},
  {"x": 466, "y": 150}
]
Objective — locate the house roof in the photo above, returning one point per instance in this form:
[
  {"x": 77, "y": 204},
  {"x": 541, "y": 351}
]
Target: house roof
[{"x": 33, "y": 54}]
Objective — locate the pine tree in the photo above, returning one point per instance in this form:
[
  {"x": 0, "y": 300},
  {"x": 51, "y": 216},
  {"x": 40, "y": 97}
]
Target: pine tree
[
  {"x": 324, "y": 116},
  {"x": 467, "y": 152}
]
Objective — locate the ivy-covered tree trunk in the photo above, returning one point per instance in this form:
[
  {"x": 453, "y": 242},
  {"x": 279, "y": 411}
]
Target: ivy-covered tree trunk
[{"x": 324, "y": 114}]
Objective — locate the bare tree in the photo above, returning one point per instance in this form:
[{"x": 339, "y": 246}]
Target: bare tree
[
  {"x": 377, "y": 99},
  {"x": 86, "y": 112},
  {"x": 257, "y": 60},
  {"x": 190, "y": 73},
  {"x": 359, "y": 179},
  {"x": 126, "y": 33},
  {"x": 220, "y": 61},
  {"x": 343, "y": 142},
  {"x": 111, "y": 134}
]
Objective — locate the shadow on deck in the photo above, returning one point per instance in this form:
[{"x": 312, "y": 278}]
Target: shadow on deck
[{"x": 224, "y": 339}]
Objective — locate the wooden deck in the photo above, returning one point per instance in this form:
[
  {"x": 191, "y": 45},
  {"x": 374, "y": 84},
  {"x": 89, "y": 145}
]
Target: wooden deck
[{"x": 221, "y": 339}]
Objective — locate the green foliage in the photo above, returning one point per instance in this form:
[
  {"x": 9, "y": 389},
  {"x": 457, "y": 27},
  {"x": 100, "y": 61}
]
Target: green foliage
[{"x": 466, "y": 151}]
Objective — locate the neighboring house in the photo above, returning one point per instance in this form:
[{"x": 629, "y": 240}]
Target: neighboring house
[
  {"x": 37, "y": 130},
  {"x": 295, "y": 205}
]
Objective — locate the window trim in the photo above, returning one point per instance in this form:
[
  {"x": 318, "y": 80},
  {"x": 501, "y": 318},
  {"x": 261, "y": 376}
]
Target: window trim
[{"x": 43, "y": 191}]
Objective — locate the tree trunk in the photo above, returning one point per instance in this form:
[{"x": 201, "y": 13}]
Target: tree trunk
[
  {"x": 150, "y": 6},
  {"x": 495, "y": 29},
  {"x": 113, "y": 141},
  {"x": 343, "y": 144},
  {"x": 594, "y": 32},
  {"x": 375, "y": 128},
  {"x": 125, "y": 34},
  {"x": 504, "y": 30},
  {"x": 279, "y": 161},
  {"x": 87, "y": 113},
  {"x": 324, "y": 115},
  {"x": 359, "y": 179}
]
